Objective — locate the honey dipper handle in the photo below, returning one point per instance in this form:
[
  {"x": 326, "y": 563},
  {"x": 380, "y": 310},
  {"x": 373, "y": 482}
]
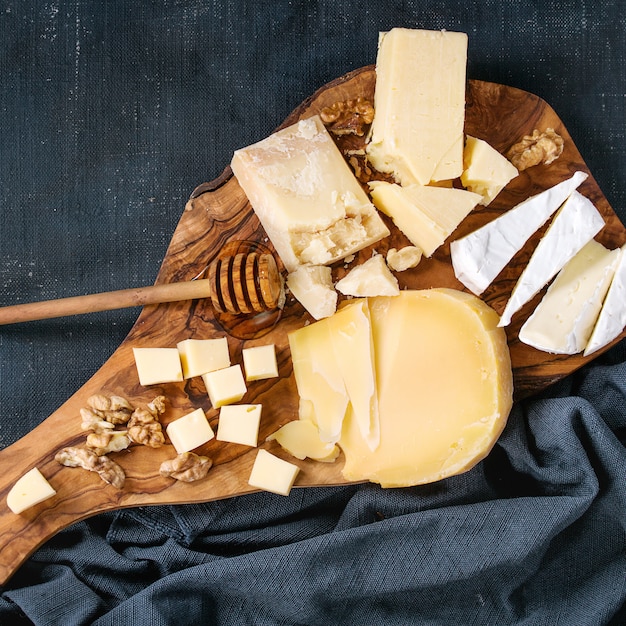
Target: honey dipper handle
[{"x": 106, "y": 301}]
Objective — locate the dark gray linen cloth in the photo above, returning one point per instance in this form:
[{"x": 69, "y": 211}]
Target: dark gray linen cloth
[{"x": 111, "y": 113}]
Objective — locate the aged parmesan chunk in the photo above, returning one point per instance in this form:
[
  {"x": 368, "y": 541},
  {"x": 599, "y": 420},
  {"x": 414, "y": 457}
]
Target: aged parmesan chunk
[
  {"x": 312, "y": 286},
  {"x": 372, "y": 278}
]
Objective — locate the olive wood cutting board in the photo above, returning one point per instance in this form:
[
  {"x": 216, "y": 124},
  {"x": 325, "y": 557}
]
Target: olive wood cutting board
[{"x": 216, "y": 214}]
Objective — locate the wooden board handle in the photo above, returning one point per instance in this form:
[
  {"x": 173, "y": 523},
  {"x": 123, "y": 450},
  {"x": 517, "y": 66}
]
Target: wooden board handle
[{"x": 106, "y": 301}]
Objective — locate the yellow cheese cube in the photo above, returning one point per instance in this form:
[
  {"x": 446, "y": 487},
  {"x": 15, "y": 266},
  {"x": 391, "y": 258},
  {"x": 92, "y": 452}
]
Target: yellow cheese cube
[
  {"x": 225, "y": 386},
  {"x": 239, "y": 423},
  {"x": 190, "y": 431},
  {"x": 158, "y": 365},
  {"x": 199, "y": 356},
  {"x": 29, "y": 490},
  {"x": 486, "y": 171},
  {"x": 271, "y": 473},
  {"x": 260, "y": 362}
]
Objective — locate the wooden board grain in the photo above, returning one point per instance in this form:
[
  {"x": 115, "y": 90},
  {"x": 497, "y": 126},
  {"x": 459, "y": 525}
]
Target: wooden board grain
[{"x": 216, "y": 214}]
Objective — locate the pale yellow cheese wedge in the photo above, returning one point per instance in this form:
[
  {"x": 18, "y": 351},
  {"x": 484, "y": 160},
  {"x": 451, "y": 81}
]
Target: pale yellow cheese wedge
[
  {"x": 307, "y": 198},
  {"x": 301, "y": 439},
  {"x": 417, "y": 132},
  {"x": 445, "y": 388},
  {"x": 29, "y": 490},
  {"x": 426, "y": 215}
]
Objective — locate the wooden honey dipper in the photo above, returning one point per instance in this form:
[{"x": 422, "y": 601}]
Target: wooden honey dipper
[{"x": 243, "y": 283}]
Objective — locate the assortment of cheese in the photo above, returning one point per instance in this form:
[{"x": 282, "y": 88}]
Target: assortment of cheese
[{"x": 412, "y": 386}]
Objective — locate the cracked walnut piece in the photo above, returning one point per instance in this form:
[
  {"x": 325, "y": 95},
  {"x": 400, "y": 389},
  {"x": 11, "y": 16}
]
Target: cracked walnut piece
[
  {"x": 540, "y": 147},
  {"x": 104, "y": 412},
  {"x": 112, "y": 441},
  {"x": 186, "y": 467},
  {"x": 144, "y": 427},
  {"x": 349, "y": 117},
  {"x": 108, "y": 470}
]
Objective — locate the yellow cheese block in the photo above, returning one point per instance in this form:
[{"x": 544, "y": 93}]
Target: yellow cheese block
[
  {"x": 417, "y": 132},
  {"x": 444, "y": 385},
  {"x": 305, "y": 195}
]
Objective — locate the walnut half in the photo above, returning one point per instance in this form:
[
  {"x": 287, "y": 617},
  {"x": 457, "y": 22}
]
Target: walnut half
[
  {"x": 108, "y": 470},
  {"x": 540, "y": 147},
  {"x": 349, "y": 117},
  {"x": 186, "y": 467},
  {"x": 144, "y": 427}
]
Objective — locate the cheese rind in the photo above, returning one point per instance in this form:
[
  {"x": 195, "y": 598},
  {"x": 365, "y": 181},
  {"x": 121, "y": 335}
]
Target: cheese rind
[
  {"x": 576, "y": 223},
  {"x": 564, "y": 319},
  {"x": 272, "y": 473},
  {"x": 444, "y": 388},
  {"x": 486, "y": 171},
  {"x": 612, "y": 319},
  {"x": 426, "y": 215},
  {"x": 190, "y": 431},
  {"x": 310, "y": 204},
  {"x": 29, "y": 490},
  {"x": 419, "y": 102},
  {"x": 480, "y": 256},
  {"x": 158, "y": 365}
]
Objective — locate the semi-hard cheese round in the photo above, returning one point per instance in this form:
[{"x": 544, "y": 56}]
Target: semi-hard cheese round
[{"x": 444, "y": 384}]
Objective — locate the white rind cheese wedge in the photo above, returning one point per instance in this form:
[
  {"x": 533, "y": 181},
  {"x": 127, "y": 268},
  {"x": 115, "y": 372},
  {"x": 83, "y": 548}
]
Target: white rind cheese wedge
[
  {"x": 445, "y": 388},
  {"x": 487, "y": 172},
  {"x": 576, "y": 223},
  {"x": 419, "y": 102},
  {"x": 426, "y": 215},
  {"x": 480, "y": 256},
  {"x": 564, "y": 319},
  {"x": 29, "y": 490},
  {"x": 612, "y": 319},
  {"x": 304, "y": 193}
]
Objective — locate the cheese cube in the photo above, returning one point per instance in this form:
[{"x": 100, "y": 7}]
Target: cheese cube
[
  {"x": 29, "y": 490},
  {"x": 312, "y": 286},
  {"x": 225, "y": 386},
  {"x": 158, "y": 365},
  {"x": 417, "y": 132},
  {"x": 260, "y": 362},
  {"x": 301, "y": 439},
  {"x": 309, "y": 202},
  {"x": 271, "y": 473},
  {"x": 199, "y": 356},
  {"x": 239, "y": 423},
  {"x": 486, "y": 171},
  {"x": 426, "y": 215},
  {"x": 372, "y": 278},
  {"x": 190, "y": 431}
]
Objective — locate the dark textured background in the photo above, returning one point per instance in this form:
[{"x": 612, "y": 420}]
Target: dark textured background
[{"x": 112, "y": 112}]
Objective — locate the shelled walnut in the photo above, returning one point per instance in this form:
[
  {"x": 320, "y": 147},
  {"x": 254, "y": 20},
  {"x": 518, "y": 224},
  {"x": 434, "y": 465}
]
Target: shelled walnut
[
  {"x": 349, "y": 117},
  {"x": 540, "y": 147},
  {"x": 103, "y": 413},
  {"x": 108, "y": 470},
  {"x": 144, "y": 427},
  {"x": 112, "y": 441},
  {"x": 186, "y": 467}
]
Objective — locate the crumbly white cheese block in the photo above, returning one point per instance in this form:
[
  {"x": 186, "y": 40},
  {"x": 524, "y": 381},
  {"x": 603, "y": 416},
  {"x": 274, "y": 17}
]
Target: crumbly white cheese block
[
  {"x": 576, "y": 223},
  {"x": 371, "y": 278},
  {"x": 426, "y": 215},
  {"x": 301, "y": 439},
  {"x": 259, "y": 362},
  {"x": 487, "y": 172},
  {"x": 239, "y": 423},
  {"x": 158, "y": 365},
  {"x": 612, "y": 319},
  {"x": 312, "y": 286},
  {"x": 304, "y": 193},
  {"x": 403, "y": 259},
  {"x": 419, "y": 102},
  {"x": 480, "y": 256},
  {"x": 29, "y": 490},
  {"x": 225, "y": 386},
  {"x": 444, "y": 380},
  {"x": 564, "y": 319},
  {"x": 273, "y": 474},
  {"x": 199, "y": 356},
  {"x": 190, "y": 431}
]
